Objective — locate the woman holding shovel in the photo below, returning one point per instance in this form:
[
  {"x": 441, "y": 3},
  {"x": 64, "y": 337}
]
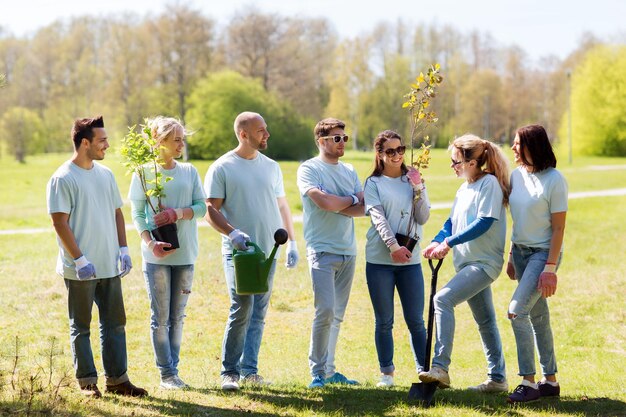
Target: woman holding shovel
[
  {"x": 476, "y": 232},
  {"x": 393, "y": 261},
  {"x": 538, "y": 209},
  {"x": 169, "y": 272}
]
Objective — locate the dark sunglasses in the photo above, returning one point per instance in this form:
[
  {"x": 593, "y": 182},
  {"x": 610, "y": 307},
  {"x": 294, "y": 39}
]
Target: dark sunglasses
[
  {"x": 455, "y": 163},
  {"x": 336, "y": 138},
  {"x": 392, "y": 152}
]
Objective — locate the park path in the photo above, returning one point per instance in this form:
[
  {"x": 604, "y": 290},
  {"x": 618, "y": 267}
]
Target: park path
[{"x": 298, "y": 219}]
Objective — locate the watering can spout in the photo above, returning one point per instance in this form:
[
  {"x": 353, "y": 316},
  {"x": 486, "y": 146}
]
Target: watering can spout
[{"x": 252, "y": 269}]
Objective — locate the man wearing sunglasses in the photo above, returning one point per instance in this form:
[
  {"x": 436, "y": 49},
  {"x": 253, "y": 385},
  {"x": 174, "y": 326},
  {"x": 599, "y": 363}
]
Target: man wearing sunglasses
[{"x": 331, "y": 196}]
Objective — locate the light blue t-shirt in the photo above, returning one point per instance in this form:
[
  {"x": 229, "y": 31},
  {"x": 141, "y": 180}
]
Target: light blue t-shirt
[
  {"x": 90, "y": 197},
  {"x": 326, "y": 231},
  {"x": 534, "y": 197},
  {"x": 395, "y": 195},
  {"x": 482, "y": 198},
  {"x": 182, "y": 191},
  {"x": 250, "y": 188}
]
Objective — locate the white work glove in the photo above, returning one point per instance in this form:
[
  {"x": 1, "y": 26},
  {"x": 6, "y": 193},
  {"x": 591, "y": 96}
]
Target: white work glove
[
  {"x": 239, "y": 239},
  {"x": 292, "y": 254},
  {"x": 125, "y": 263},
  {"x": 84, "y": 268}
]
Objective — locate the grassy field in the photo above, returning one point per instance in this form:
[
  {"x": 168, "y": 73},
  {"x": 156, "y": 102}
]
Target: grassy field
[{"x": 35, "y": 360}]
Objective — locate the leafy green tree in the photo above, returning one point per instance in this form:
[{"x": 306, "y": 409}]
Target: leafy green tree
[
  {"x": 220, "y": 97},
  {"x": 22, "y": 130},
  {"x": 598, "y": 101}
]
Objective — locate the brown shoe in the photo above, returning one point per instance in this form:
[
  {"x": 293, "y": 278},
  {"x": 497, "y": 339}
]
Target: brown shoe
[
  {"x": 91, "y": 391},
  {"x": 126, "y": 388}
]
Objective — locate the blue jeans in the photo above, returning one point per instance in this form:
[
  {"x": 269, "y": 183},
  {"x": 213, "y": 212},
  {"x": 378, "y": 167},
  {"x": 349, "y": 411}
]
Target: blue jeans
[
  {"x": 107, "y": 294},
  {"x": 168, "y": 288},
  {"x": 382, "y": 280},
  {"x": 244, "y": 328},
  {"x": 473, "y": 285},
  {"x": 331, "y": 276},
  {"x": 532, "y": 318}
]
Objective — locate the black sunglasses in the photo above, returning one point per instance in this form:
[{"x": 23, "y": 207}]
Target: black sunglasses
[
  {"x": 336, "y": 138},
  {"x": 455, "y": 163},
  {"x": 392, "y": 152}
]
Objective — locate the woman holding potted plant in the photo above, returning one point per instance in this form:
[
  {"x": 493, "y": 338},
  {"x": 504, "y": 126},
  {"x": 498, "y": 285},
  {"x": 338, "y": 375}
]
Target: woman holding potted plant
[
  {"x": 397, "y": 215},
  {"x": 167, "y": 192},
  {"x": 476, "y": 232}
]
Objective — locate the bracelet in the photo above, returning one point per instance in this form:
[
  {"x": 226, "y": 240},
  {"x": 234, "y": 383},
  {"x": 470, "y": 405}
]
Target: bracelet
[
  {"x": 550, "y": 268},
  {"x": 179, "y": 213},
  {"x": 355, "y": 200}
]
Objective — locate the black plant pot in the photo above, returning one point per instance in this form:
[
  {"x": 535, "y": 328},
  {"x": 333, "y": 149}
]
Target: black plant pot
[
  {"x": 168, "y": 234},
  {"x": 407, "y": 242}
]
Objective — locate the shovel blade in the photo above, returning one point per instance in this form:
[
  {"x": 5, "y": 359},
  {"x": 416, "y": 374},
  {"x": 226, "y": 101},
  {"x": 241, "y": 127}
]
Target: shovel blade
[{"x": 423, "y": 392}]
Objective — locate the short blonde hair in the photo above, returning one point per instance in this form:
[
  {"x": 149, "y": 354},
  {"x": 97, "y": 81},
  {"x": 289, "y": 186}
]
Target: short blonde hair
[{"x": 162, "y": 127}]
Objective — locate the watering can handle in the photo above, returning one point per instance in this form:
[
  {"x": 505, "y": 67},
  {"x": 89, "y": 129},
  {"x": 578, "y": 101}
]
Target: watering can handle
[{"x": 252, "y": 244}]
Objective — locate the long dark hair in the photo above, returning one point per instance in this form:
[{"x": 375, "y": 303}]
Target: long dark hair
[
  {"x": 535, "y": 139},
  {"x": 379, "y": 143}
]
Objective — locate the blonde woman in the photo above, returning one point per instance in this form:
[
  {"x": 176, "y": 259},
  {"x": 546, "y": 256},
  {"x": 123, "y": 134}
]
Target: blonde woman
[
  {"x": 169, "y": 272},
  {"x": 476, "y": 232}
]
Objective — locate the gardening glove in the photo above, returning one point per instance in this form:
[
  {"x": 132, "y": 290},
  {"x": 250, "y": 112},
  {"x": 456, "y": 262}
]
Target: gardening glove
[
  {"x": 239, "y": 239},
  {"x": 158, "y": 248},
  {"x": 292, "y": 254},
  {"x": 168, "y": 216},
  {"x": 125, "y": 263},
  {"x": 401, "y": 254},
  {"x": 414, "y": 177},
  {"x": 84, "y": 268}
]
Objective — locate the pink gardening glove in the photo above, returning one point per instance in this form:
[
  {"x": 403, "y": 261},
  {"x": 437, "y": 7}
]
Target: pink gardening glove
[
  {"x": 414, "y": 177},
  {"x": 164, "y": 217},
  {"x": 158, "y": 248},
  {"x": 547, "y": 284},
  {"x": 401, "y": 255}
]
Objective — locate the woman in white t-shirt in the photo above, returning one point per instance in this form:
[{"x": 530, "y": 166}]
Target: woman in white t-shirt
[
  {"x": 476, "y": 232},
  {"x": 538, "y": 207},
  {"x": 390, "y": 201}
]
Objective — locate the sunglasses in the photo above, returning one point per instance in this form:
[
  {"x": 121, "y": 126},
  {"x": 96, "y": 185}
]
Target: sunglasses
[
  {"x": 336, "y": 138},
  {"x": 455, "y": 163},
  {"x": 392, "y": 152}
]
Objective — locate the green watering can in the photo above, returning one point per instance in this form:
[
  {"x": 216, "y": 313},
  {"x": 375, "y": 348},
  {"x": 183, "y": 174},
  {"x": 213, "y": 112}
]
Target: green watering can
[{"x": 251, "y": 267}]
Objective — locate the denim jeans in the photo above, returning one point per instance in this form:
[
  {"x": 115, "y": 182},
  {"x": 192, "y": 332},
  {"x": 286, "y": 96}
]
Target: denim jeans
[
  {"x": 532, "y": 317},
  {"x": 168, "y": 288},
  {"x": 244, "y": 327},
  {"x": 382, "y": 280},
  {"x": 107, "y": 294},
  {"x": 473, "y": 285},
  {"x": 331, "y": 276}
]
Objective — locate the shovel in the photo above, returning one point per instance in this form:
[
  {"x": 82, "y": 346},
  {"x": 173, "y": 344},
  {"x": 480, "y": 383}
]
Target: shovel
[{"x": 423, "y": 392}]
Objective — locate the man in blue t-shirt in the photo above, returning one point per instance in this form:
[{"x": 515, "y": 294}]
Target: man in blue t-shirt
[
  {"x": 85, "y": 205},
  {"x": 331, "y": 196},
  {"x": 246, "y": 201}
]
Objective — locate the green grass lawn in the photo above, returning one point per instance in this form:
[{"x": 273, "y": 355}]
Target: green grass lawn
[{"x": 588, "y": 318}]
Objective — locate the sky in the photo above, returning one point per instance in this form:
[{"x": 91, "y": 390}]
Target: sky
[{"x": 540, "y": 27}]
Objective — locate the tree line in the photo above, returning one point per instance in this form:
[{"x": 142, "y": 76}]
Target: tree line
[{"x": 292, "y": 70}]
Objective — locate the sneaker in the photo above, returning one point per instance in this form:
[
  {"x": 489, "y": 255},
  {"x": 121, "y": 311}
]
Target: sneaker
[
  {"x": 549, "y": 390},
  {"x": 172, "y": 382},
  {"x": 339, "y": 378},
  {"x": 385, "y": 381},
  {"x": 254, "y": 379},
  {"x": 91, "y": 391},
  {"x": 491, "y": 386},
  {"x": 523, "y": 393},
  {"x": 317, "y": 382},
  {"x": 230, "y": 382},
  {"x": 436, "y": 375},
  {"x": 126, "y": 388}
]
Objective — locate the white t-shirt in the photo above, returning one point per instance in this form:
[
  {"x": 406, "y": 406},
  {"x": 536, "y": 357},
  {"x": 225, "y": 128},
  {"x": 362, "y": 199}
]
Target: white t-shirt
[
  {"x": 249, "y": 188},
  {"x": 90, "y": 197},
  {"x": 482, "y": 198},
  {"x": 534, "y": 197}
]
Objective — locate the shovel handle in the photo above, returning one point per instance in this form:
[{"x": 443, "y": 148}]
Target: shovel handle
[{"x": 435, "y": 269}]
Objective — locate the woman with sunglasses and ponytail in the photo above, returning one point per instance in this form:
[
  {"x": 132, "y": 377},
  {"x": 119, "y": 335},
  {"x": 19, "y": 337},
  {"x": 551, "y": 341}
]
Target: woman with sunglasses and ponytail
[
  {"x": 476, "y": 232},
  {"x": 390, "y": 203}
]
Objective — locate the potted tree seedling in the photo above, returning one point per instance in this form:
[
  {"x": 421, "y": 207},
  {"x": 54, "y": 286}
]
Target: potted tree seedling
[
  {"x": 141, "y": 156},
  {"x": 417, "y": 102}
]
